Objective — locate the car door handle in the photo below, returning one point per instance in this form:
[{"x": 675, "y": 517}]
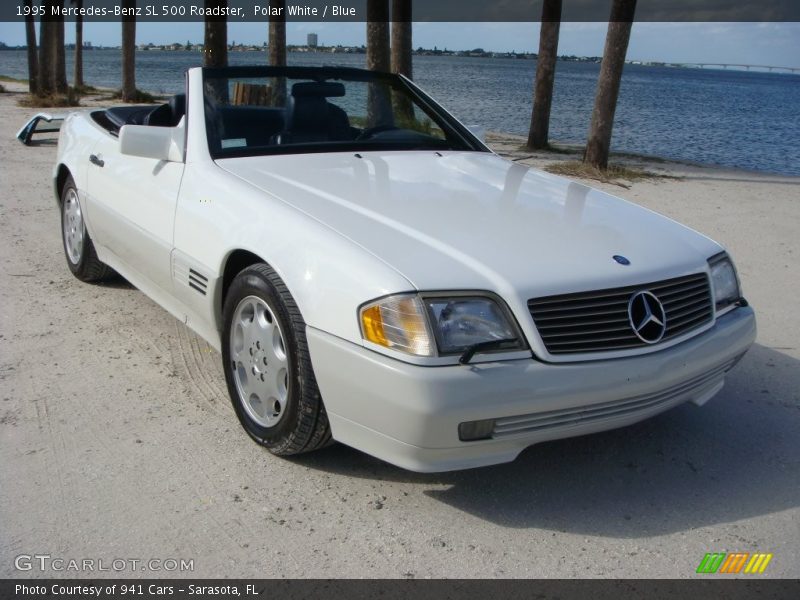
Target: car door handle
[{"x": 97, "y": 161}]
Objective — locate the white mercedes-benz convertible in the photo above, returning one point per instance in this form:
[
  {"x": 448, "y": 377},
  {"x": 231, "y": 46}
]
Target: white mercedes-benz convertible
[{"x": 372, "y": 273}]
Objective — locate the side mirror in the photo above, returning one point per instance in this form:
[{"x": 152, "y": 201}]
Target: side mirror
[
  {"x": 146, "y": 141},
  {"x": 478, "y": 131}
]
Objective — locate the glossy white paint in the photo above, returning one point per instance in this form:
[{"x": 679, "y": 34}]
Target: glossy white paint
[
  {"x": 75, "y": 144},
  {"x": 133, "y": 201},
  {"x": 159, "y": 143},
  {"x": 343, "y": 229},
  {"x": 409, "y": 415},
  {"x": 474, "y": 221}
]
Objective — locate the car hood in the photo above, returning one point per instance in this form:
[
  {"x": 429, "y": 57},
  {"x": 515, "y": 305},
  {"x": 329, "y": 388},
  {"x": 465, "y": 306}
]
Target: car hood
[{"x": 471, "y": 220}]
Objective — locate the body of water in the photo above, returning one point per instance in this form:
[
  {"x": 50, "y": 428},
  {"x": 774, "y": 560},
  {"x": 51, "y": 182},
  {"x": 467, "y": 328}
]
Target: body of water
[{"x": 731, "y": 118}]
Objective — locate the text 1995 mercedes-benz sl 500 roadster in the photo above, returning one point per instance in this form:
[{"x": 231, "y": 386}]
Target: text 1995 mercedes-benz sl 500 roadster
[{"x": 372, "y": 273}]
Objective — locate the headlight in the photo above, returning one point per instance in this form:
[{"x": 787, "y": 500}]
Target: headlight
[
  {"x": 724, "y": 282},
  {"x": 460, "y": 323},
  {"x": 436, "y": 325}
]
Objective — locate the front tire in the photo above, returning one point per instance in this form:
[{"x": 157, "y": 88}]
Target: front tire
[
  {"x": 267, "y": 365},
  {"x": 78, "y": 247}
]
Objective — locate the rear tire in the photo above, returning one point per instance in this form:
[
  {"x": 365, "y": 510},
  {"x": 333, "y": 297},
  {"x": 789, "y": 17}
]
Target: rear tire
[
  {"x": 78, "y": 247},
  {"x": 268, "y": 367}
]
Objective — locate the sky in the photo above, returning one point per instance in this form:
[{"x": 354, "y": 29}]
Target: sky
[{"x": 775, "y": 44}]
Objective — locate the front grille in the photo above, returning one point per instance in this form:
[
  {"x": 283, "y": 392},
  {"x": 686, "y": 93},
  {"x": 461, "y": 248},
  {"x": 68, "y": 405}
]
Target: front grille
[
  {"x": 554, "y": 419},
  {"x": 598, "y": 321}
]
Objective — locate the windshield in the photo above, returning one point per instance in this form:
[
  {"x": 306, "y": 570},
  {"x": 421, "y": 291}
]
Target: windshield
[{"x": 269, "y": 110}]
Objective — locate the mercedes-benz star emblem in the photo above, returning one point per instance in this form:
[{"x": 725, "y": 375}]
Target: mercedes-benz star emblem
[
  {"x": 647, "y": 317},
  {"x": 622, "y": 260}
]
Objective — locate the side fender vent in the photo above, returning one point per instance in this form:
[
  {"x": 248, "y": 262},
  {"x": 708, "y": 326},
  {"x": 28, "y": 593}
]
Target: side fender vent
[{"x": 198, "y": 282}]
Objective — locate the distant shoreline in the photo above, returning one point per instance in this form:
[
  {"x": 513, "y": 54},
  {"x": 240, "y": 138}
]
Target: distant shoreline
[{"x": 475, "y": 53}]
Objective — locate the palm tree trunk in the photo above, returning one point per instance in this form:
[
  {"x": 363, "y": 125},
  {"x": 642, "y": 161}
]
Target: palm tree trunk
[
  {"x": 402, "y": 61},
  {"x": 215, "y": 50},
  {"x": 598, "y": 145},
  {"x": 379, "y": 109},
  {"x": 60, "y": 57},
  {"x": 33, "y": 59},
  {"x": 378, "y": 35},
  {"x": 129, "y": 53},
  {"x": 46, "y": 48},
  {"x": 545, "y": 74},
  {"x": 277, "y": 34},
  {"x": 215, "y": 47},
  {"x": 78, "y": 72},
  {"x": 277, "y": 50}
]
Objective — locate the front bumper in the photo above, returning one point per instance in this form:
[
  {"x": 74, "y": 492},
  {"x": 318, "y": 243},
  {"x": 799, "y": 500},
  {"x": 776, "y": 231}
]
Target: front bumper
[{"x": 409, "y": 415}]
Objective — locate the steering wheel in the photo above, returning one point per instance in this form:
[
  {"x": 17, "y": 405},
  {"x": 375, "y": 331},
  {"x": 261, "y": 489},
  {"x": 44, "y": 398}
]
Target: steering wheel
[{"x": 373, "y": 131}]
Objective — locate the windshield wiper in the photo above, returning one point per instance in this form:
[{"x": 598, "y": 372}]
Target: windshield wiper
[{"x": 482, "y": 347}]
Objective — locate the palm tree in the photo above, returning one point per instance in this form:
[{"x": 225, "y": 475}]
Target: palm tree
[
  {"x": 129, "y": 52},
  {"x": 52, "y": 63},
  {"x": 60, "y": 57},
  {"x": 378, "y": 35},
  {"x": 378, "y": 101},
  {"x": 402, "y": 61},
  {"x": 215, "y": 46},
  {"x": 277, "y": 33},
  {"x": 277, "y": 48},
  {"x": 620, "y": 23},
  {"x": 78, "y": 72},
  {"x": 545, "y": 74},
  {"x": 33, "y": 59},
  {"x": 47, "y": 48},
  {"x": 215, "y": 49}
]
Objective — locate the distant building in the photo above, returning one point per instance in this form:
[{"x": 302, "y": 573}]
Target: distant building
[{"x": 313, "y": 40}]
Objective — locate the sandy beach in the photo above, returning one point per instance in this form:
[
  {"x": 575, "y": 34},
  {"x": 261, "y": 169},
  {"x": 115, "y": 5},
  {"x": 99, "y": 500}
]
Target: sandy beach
[{"x": 118, "y": 440}]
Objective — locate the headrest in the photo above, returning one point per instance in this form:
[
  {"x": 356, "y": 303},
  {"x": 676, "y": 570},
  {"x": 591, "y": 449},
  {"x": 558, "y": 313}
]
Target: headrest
[
  {"x": 177, "y": 105},
  {"x": 308, "y": 115},
  {"x": 319, "y": 89},
  {"x": 157, "y": 117}
]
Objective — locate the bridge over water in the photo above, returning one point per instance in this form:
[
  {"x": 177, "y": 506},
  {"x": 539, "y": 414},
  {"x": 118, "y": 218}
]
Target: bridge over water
[{"x": 736, "y": 66}]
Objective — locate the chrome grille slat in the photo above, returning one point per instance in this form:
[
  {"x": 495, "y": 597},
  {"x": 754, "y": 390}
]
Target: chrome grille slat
[
  {"x": 691, "y": 315},
  {"x": 597, "y": 321},
  {"x": 583, "y": 295},
  {"x": 587, "y": 305},
  {"x": 625, "y": 329},
  {"x": 627, "y": 290},
  {"x": 682, "y": 289},
  {"x": 690, "y": 311},
  {"x": 612, "y": 338},
  {"x": 635, "y": 343},
  {"x": 567, "y": 315},
  {"x": 616, "y": 296},
  {"x": 573, "y": 325},
  {"x": 686, "y": 325},
  {"x": 693, "y": 297}
]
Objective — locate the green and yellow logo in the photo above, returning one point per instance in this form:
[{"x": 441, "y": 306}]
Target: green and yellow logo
[{"x": 734, "y": 562}]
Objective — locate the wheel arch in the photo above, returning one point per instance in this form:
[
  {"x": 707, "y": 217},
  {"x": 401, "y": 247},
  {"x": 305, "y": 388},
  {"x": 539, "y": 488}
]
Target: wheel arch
[
  {"x": 328, "y": 275},
  {"x": 62, "y": 174},
  {"x": 236, "y": 262}
]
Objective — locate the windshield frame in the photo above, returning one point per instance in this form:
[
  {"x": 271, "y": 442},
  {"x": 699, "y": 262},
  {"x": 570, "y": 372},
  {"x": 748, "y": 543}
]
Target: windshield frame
[{"x": 452, "y": 128}]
